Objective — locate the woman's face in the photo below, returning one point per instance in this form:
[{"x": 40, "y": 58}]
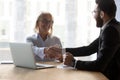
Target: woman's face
[{"x": 45, "y": 24}]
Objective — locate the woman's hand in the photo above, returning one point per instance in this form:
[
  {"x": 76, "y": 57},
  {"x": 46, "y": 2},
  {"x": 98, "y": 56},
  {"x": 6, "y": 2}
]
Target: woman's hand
[{"x": 53, "y": 52}]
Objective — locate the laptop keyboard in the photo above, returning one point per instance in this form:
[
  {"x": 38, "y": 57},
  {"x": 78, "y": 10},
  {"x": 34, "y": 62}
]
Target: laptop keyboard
[{"x": 44, "y": 65}]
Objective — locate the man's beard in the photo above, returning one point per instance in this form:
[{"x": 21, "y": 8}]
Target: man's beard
[{"x": 99, "y": 22}]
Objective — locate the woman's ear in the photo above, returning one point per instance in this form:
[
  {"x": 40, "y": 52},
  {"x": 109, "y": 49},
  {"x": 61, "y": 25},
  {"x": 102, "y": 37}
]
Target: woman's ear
[{"x": 102, "y": 14}]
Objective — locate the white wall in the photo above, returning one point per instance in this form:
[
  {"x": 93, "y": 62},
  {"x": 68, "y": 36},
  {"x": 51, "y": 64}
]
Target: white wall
[{"x": 118, "y": 9}]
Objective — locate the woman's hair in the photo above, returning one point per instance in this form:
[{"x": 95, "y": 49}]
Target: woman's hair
[{"x": 40, "y": 17}]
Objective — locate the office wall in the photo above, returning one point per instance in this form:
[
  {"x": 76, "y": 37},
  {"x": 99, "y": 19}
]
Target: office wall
[{"x": 118, "y": 9}]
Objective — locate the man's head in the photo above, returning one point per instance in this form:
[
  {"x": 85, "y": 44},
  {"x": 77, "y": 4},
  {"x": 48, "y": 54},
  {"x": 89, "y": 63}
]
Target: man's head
[{"x": 105, "y": 10}]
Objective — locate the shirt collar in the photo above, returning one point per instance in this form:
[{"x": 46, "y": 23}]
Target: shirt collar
[
  {"x": 104, "y": 26},
  {"x": 39, "y": 36}
]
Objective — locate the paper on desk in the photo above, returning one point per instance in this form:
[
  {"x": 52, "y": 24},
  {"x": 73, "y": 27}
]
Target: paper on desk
[
  {"x": 6, "y": 62},
  {"x": 62, "y": 66}
]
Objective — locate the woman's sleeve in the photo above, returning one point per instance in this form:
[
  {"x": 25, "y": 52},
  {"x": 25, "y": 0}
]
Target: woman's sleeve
[{"x": 39, "y": 51}]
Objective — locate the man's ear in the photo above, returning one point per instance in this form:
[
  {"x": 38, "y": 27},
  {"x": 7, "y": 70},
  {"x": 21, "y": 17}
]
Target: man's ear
[{"x": 102, "y": 14}]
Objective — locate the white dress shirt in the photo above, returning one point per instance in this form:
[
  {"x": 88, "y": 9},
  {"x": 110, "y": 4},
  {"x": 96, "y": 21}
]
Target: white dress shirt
[{"x": 39, "y": 44}]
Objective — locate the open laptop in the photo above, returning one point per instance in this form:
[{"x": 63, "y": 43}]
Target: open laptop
[{"x": 23, "y": 56}]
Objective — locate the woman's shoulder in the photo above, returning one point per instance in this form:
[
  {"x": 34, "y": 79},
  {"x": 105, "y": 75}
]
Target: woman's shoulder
[
  {"x": 32, "y": 37},
  {"x": 54, "y": 37}
]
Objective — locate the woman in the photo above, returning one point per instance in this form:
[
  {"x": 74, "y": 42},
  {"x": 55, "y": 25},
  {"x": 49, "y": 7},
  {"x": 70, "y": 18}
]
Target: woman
[{"x": 43, "y": 38}]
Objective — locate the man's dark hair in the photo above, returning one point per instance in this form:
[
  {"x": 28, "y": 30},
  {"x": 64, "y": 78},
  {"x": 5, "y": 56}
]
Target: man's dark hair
[{"x": 108, "y": 6}]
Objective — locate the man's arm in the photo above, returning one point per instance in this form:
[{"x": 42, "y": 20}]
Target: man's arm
[
  {"x": 85, "y": 50},
  {"x": 108, "y": 49}
]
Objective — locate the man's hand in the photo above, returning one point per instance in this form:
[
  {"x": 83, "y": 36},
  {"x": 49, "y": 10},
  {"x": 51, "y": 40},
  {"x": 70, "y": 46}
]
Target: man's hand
[
  {"x": 48, "y": 53},
  {"x": 59, "y": 57},
  {"x": 68, "y": 59},
  {"x": 53, "y": 52},
  {"x": 58, "y": 51}
]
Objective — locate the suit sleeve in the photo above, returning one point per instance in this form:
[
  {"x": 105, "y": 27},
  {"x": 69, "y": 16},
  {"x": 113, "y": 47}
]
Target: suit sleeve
[
  {"x": 109, "y": 46},
  {"x": 85, "y": 50}
]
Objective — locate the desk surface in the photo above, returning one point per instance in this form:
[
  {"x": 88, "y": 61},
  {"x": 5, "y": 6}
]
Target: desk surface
[{"x": 10, "y": 72}]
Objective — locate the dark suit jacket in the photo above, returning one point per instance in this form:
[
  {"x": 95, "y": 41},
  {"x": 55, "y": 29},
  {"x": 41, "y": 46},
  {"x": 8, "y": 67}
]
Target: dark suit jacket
[{"x": 107, "y": 47}]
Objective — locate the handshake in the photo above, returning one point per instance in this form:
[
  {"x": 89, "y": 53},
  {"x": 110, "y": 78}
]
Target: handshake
[
  {"x": 55, "y": 52},
  {"x": 60, "y": 54}
]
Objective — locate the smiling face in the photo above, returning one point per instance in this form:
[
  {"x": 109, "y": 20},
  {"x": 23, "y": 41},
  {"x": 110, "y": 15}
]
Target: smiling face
[{"x": 44, "y": 23}]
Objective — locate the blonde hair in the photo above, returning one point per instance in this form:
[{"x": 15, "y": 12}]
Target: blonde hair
[{"x": 41, "y": 16}]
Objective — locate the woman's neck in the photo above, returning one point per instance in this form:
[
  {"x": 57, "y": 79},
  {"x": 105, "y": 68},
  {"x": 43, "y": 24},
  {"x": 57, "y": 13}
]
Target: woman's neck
[{"x": 43, "y": 36}]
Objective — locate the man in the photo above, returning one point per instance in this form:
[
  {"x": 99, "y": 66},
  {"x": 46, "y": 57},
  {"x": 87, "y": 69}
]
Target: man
[{"x": 107, "y": 45}]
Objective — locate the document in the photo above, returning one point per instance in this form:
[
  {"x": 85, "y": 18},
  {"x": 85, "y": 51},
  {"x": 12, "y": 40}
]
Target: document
[
  {"x": 6, "y": 62},
  {"x": 62, "y": 66}
]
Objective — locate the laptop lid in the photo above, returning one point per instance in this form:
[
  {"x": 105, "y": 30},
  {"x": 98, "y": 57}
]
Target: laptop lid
[{"x": 23, "y": 56}]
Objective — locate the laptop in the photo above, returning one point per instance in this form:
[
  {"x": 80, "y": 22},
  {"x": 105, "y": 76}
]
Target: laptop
[{"x": 23, "y": 56}]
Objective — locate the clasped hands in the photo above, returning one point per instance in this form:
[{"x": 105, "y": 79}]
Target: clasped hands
[
  {"x": 53, "y": 52},
  {"x": 57, "y": 53}
]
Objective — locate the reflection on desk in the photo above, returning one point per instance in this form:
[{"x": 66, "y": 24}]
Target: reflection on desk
[{"x": 10, "y": 72}]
